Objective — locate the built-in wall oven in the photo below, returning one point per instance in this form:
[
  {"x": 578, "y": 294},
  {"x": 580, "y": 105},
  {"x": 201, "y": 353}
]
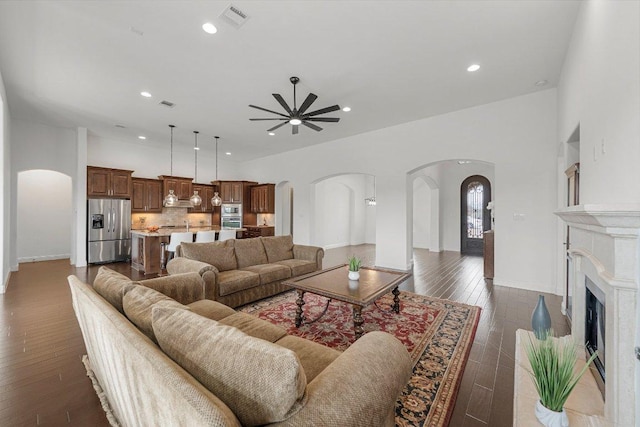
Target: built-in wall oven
[{"x": 231, "y": 216}]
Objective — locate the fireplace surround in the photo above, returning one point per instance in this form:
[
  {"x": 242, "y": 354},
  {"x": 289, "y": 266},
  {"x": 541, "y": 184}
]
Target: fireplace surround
[{"x": 605, "y": 248}]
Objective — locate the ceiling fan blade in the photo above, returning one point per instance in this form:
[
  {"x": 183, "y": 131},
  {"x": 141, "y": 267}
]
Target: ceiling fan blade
[
  {"x": 307, "y": 103},
  {"x": 294, "y": 129},
  {"x": 277, "y": 126},
  {"x": 253, "y": 120},
  {"x": 312, "y": 126},
  {"x": 282, "y": 102},
  {"x": 323, "y": 119},
  {"x": 268, "y": 111},
  {"x": 323, "y": 110}
]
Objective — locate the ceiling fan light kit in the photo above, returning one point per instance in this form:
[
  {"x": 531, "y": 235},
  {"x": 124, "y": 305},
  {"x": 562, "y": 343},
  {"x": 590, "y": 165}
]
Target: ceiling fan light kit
[{"x": 298, "y": 116}]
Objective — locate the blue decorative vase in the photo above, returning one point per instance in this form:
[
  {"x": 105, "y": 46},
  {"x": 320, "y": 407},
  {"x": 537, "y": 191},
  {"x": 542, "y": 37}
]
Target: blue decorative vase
[{"x": 540, "y": 319}]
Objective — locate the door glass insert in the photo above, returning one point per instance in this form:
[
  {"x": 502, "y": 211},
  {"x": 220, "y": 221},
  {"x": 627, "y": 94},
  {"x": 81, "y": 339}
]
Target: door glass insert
[{"x": 474, "y": 210}]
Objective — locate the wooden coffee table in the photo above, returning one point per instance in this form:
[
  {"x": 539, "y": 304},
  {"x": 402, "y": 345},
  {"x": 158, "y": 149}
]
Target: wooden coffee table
[{"x": 334, "y": 284}]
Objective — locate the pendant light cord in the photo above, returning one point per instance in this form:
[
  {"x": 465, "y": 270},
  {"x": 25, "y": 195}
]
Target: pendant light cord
[
  {"x": 216, "y": 137},
  {"x": 171, "y": 126},
  {"x": 196, "y": 155}
]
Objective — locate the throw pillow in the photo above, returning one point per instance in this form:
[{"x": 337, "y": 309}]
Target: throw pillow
[
  {"x": 138, "y": 302},
  {"x": 260, "y": 381},
  {"x": 278, "y": 248},
  {"x": 218, "y": 254},
  {"x": 111, "y": 285}
]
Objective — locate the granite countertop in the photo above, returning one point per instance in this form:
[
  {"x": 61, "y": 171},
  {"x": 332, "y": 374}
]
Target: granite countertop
[{"x": 166, "y": 231}]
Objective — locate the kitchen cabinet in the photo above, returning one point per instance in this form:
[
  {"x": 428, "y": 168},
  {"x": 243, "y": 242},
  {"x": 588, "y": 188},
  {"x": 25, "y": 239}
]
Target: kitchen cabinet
[
  {"x": 146, "y": 195},
  {"x": 258, "y": 231},
  {"x": 182, "y": 187},
  {"x": 107, "y": 182},
  {"x": 263, "y": 198},
  {"x": 206, "y": 193},
  {"x": 231, "y": 191}
]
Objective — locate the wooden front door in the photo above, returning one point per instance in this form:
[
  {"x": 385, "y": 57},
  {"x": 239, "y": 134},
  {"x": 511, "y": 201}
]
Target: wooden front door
[{"x": 475, "y": 218}]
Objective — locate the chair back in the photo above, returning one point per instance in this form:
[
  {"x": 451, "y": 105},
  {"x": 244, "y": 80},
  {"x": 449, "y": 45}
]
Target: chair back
[
  {"x": 226, "y": 234},
  {"x": 205, "y": 236},
  {"x": 177, "y": 238}
]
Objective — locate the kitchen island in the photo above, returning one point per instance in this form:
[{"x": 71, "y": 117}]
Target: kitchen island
[{"x": 146, "y": 246}]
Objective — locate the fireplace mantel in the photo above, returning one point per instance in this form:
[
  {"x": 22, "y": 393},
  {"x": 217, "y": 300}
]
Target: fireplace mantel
[{"x": 605, "y": 246}]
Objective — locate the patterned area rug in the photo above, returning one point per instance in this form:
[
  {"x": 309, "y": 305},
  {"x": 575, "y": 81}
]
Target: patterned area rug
[{"x": 437, "y": 333}]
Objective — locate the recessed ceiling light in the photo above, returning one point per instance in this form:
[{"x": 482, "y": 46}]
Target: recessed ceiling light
[
  {"x": 464, "y": 162},
  {"x": 541, "y": 82},
  {"x": 473, "y": 67},
  {"x": 142, "y": 137},
  {"x": 196, "y": 148},
  {"x": 227, "y": 153},
  {"x": 346, "y": 109},
  {"x": 272, "y": 133},
  {"x": 209, "y": 28},
  {"x": 145, "y": 94}
]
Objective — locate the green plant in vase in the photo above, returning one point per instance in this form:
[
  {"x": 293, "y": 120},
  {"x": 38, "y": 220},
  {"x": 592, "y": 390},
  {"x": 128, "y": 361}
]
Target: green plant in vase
[
  {"x": 354, "y": 268},
  {"x": 552, "y": 371}
]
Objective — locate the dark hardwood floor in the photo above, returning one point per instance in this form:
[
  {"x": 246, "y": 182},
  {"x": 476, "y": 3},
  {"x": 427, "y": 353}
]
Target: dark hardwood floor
[{"x": 44, "y": 382}]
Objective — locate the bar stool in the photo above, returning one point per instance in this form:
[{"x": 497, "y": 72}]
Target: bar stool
[
  {"x": 205, "y": 236},
  {"x": 226, "y": 234},
  {"x": 176, "y": 239}
]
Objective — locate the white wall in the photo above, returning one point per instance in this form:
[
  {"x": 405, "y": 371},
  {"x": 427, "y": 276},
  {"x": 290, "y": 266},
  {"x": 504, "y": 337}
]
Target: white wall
[
  {"x": 517, "y": 135},
  {"x": 599, "y": 89},
  {"x": 421, "y": 214},
  {"x": 5, "y": 185},
  {"x": 38, "y": 146},
  {"x": 44, "y": 234}
]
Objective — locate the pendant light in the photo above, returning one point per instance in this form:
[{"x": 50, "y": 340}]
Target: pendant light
[
  {"x": 195, "y": 200},
  {"x": 371, "y": 201},
  {"x": 216, "y": 200},
  {"x": 171, "y": 199}
]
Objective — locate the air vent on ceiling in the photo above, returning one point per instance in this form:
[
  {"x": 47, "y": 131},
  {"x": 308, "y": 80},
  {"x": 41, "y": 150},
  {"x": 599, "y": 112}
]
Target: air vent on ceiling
[
  {"x": 234, "y": 16},
  {"x": 167, "y": 104}
]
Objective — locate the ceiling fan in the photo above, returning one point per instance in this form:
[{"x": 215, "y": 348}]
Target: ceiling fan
[{"x": 298, "y": 116}]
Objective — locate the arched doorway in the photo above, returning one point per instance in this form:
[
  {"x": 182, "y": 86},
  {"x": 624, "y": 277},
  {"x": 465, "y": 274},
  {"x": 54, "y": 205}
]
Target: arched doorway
[{"x": 475, "y": 194}]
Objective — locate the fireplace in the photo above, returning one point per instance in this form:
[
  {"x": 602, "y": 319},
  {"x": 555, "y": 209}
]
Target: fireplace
[{"x": 594, "y": 334}]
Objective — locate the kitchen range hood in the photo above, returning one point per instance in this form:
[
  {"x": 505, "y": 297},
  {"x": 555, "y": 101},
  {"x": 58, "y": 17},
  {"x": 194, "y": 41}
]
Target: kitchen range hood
[{"x": 181, "y": 204}]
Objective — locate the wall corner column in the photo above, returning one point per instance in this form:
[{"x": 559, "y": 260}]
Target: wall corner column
[{"x": 79, "y": 233}]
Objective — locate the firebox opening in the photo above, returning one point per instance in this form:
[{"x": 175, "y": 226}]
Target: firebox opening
[{"x": 595, "y": 331}]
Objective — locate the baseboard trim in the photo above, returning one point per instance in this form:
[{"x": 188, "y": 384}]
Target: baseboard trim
[{"x": 43, "y": 258}]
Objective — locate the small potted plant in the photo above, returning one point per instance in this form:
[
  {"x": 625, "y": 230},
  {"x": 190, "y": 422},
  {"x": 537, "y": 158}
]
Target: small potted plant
[
  {"x": 354, "y": 268},
  {"x": 552, "y": 371}
]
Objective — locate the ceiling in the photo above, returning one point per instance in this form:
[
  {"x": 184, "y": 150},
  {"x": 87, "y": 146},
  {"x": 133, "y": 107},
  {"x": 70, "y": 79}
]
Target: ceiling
[{"x": 84, "y": 64}]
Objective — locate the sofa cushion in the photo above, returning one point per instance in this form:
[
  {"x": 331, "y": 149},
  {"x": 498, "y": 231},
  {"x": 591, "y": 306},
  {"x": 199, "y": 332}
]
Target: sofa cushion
[
  {"x": 260, "y": 381},
  {"x": 250, "y": 252},
  {"x": 111, "y": 286},
  {"x": 269, "y": 272},
  {"x": 313, "y": 356},
  {"x": 138, "y": 302},
  {"x": 254, "y": 327},
  {"x": 236, "y": 280},
  {"x": 298, "y": 266},
  {"x": 278, "y": 247},
  {"x": 211, "y": 309},
  {"x": 219, "y": 254}
]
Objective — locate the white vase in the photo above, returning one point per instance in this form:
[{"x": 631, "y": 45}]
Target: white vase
[
  {"x": 354, "y": 275},
  {"x": 549, "y": 418}
]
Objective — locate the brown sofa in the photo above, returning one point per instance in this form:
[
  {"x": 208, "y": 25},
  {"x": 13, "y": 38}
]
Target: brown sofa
[
  {"x": 185, "y": 360},
  {"x": 237, "y": 272}
]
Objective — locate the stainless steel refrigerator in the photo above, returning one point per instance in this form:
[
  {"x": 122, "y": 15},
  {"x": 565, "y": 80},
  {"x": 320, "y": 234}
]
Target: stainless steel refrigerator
[{"x": 109, "y": 230}]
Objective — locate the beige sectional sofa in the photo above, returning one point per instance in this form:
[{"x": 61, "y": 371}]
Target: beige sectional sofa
[
  {"x": 189, "y": 361},
  {"x": 237, "y": 272}
]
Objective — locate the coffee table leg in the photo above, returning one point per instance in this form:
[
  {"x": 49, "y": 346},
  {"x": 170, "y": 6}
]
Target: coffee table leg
[
  {"x": 358, "y": 321},
  {"x": 396, "y": 300},
  {"x": 300, "y": 303}
]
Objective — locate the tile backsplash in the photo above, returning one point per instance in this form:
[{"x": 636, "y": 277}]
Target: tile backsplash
[{"x": 170, "y": 216}]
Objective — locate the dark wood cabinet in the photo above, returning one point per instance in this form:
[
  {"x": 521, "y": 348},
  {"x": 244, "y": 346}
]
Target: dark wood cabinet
[
  {"x": 182, "y": 187},
  {"x": 146, "y": 195},
  {"x": 259, "y": 231},
  {"x": 263, "y": 198},
  {"x": 231, "y": 191},
  {"x": 206, "y": 193},
  {"x": 107, "y": 182},
  {"x": 488, "y": 254}
]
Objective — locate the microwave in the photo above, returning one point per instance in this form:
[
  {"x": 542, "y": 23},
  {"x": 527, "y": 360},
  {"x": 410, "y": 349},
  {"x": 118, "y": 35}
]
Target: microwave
[{"x": 231, "y": 209}]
